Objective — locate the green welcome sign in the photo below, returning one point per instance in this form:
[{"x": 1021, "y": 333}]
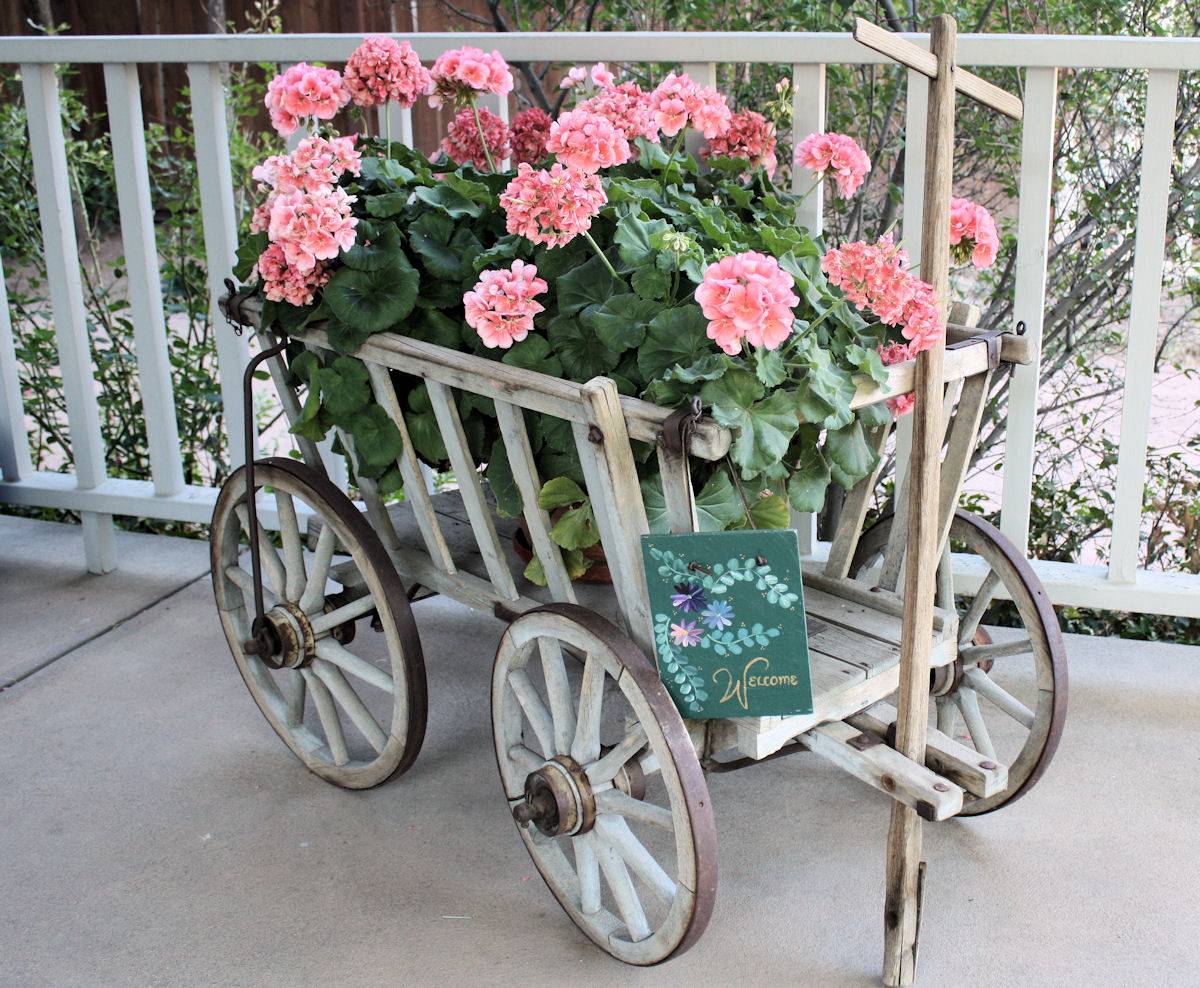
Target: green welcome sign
[{"x": 729, "y": 630}]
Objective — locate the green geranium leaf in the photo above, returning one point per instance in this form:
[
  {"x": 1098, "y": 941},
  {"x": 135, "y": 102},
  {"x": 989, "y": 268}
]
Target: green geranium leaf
[
  {"x": 377, "y": 442},
  {"x": 248, "y": 253},
  {"x": 534, "y": 353},
  {"x": 434, "y": 326},
  {"x": 718, "y": 506},
  {"x": 633, "y": 238},
  {"x": 867, "y": 360},
  {"x": 850, "y": 458},
  {"x": 345, "y": 390},
  {"x": 373, "y": 301},
  {"x": 765, "y": 430},
  {"x": 500, "y": 479},
  {"x": 770, "y": 512},
  {"x": 449, "y": 201},
  {"x": 385, "y": 170},
  {"x": 582, "y": 352},
  {"x": 446, "y": 260},
  {"x": 426, "y": 437},
  {"x": 576, "y": 529},
  {"x": 621, "y": 322},
  {"x": 469, "y": 189},
  {"x": 731, "y": 395},
  {"x": 502, "y": 253},
  {"x": 558, "y": 492},
  {"x": 651, "y": 283},
  {"x": 675, "y": 336},
  {"x": 345, "y": 338},
  {"x": 769, "y": 367},
  {"x": 708, "y": 368},
  {"x": 873, "y": 416},
  {"x": 387, "y": 204},
  {"x": 311, "y": 424},
  {"x": 585, "y": 285},
  {"x": 806, "y": 486}
]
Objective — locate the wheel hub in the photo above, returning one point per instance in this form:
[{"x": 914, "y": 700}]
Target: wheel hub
[
  {"x": 944, "y": 680},
  {"x": 558, "y": 799}
]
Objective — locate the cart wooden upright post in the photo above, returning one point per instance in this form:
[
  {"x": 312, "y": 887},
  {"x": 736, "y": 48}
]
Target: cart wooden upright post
[{"x": 605, "y": 780}]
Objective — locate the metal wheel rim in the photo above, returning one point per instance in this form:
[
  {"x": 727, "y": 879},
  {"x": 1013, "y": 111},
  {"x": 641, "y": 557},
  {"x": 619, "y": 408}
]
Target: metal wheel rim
[
  {"x": 1038, "y": 618},
  {"x": 690, "y": 807},
  {"x": 403, "y": 736}
]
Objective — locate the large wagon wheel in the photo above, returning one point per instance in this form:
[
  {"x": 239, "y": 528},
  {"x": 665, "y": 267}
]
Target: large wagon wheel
[
  {"x": 604, "y": 783},
  {"x": 350, "y": 704},
  {"x": 1011, "y": 695}
]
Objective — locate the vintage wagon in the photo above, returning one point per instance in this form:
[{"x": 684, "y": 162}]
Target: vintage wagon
[{"x": 605, "y": 779}]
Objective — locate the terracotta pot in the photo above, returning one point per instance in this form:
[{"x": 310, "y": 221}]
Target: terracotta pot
[{"x": 597, "y": 572}]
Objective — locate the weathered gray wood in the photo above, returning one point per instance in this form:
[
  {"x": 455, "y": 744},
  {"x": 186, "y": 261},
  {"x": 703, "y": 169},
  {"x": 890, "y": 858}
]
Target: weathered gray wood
[
  {"x": 467, "y": 475},
  {"x": 677, "y": 490},
  {"x": 854, "y": 510}
]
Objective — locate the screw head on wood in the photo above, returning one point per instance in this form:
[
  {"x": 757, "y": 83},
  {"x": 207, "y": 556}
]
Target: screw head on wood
[
  {"x": 595, "y": 435},
  {"x": 987, "y": 766},
  {"x": 941, "y": 787}
]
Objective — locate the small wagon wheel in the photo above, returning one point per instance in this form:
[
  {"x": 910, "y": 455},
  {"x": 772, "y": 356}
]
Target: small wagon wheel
[
  {"x": 604, "y": 783},
  {"x": 1010, "y": 695},
  {"x": 350, "y": 704}
]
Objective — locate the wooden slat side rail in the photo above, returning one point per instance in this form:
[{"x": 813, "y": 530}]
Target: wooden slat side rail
[
  {"x": 467, "y": 474},
  {"x": 680, "y": 499},
  {"x": 908, "y": 782},
  {"x": 40, "y": 84},
  {"x": 962, "y": 435},
  {"x": 524, "y": 470},
  {"x": 309, "y": 451},
  {"x": 410, "y": 472},
  {"x": 854, "y": 510},
  {"x": 906, "y": 53}
]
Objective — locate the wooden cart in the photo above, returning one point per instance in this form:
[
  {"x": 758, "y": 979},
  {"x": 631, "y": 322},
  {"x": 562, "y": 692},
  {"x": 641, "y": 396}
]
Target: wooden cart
[{"x": 605, "y": 780}]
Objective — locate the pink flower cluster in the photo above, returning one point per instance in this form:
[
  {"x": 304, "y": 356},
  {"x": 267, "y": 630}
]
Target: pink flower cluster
[
  {"x": 312, "y": 226},
  {"x": 461, "y": 73},
  {"x": 501, "y": 307},
  {"x": 315, "y": 164},
  {"x": 282, "y": 282},
  {"x": 551, "y": 206},
  {"x": 587, "y": 141},
  {"x": 747, "y": 295},
  {"x": 897, "y": 353},
  {"x": 749, "y": 136},
  {"x": 380, "y": 69},
  {"x": 677, "y": 102},
  {"x": 838, "y": 153},
  {"x": 304, "y": 91},
  {"x": 973, "y": 234},
  {"x": 875, "y": 277},
  {"x": 627, "y": 108},
  {"x": 529, "y": 130},
  {"x": 600, "y": 76},
  {"x": 462, "y": 141}
]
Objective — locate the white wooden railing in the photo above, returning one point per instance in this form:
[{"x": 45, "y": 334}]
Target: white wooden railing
[{"x": 98, "y": 497}]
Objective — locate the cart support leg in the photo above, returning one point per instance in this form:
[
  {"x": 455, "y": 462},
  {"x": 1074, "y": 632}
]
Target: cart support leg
[{"x": 902, "y": 906}]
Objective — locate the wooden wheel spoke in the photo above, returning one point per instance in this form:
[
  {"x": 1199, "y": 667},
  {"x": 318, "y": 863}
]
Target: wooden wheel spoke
[
  {"x": 628, "y": 903},
  {"x": 295, "y": 699},
  {"x": 526, "y": 759},
  {"x": 990, "y": 690},
  {"x": 340, "y": 656},
  {"x": 558, "y": 690},
  {"x": 947, "y": 715},
  {"x": 318, "y": 574},
  {"x": 245, "y": 583},
  {"x": 968, "y": 705},
  {"x": 350, "y": 702},
  {"x": 535, "y": 710},
  {"x": 327, "y": 713},
  {"x": 293, "y": 547},
  {"x": 615, "y": 801},
  {"x": 586, "y": 746},
  {"x": 610, "y": 764},
  {"x": 974, "y": 654},
  {"x": 615, "y": 831},
  {"x": 974, "y": 614},
  {"x": 588, "y": 869},
  {"x": 324, "y": 623},
  {"x": 271, "y": 563}
]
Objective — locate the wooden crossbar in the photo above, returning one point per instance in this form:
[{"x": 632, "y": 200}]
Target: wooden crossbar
[{"x": 919, "y": 60}]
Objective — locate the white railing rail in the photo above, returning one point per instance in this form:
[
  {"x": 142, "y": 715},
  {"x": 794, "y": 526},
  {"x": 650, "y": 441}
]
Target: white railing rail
[{"x": 98, "y": 497}]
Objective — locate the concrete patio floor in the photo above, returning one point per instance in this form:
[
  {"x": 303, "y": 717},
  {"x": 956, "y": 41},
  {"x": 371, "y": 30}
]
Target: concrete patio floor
[{"x": 155, "y": 831}]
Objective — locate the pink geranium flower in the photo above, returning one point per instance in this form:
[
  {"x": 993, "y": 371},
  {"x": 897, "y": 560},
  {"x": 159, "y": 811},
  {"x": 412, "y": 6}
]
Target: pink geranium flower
[
  {"x": 573, "y": 78},
  {"x": 749, "y": 136},
  {"x": 529, "y": 131},
  {"x": 460, "y": 74},
  {"x": 748, "y": 296},
  {"x": 304, "y": 91},
  {"x": 627, "y": 108},
  {"x": 315, "y": 164},
  {"x": 462, "y": 141},
  {"x": 587, "y": 141},
  {"x": 553, "y": 205},
  {"x": 501, "y": 307},
  {"x": 601, "y": 76},
  {"x": 973, "y": 234},
  {"x": 836, "y": 153},
  {"x": 678, "y": 102},
  {"x": 382, "y": 69},
  {"x": 896, "y": 353},
  {"x": 284, "y": 283},
  {"x": 312, "y": 226}
]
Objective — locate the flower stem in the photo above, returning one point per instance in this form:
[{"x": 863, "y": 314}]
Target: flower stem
[
  {"x": 600, "y": 254},
  {"x": 671, "y": 157},
  {"x": 387, "y": 128},
  {"x": 483, "y": 140}
]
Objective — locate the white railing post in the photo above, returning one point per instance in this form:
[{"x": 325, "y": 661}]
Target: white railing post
[
  {"x": 48, "y": 150},
  {"x": 400, "y": 120},
  {"x": 220, "y": 237},
  {"x": 141, "y": 261},
  {"x": 1029, "y": 300},
  {"x": 808, "y": 116},
  {"x": 14, "y": 440},
  {"x": 1158, "y": 151}
]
